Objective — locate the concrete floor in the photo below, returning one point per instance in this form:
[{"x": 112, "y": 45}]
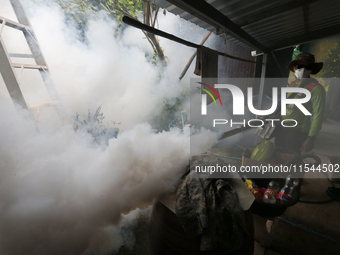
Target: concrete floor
[
  {"x": 311, "y": 228},
  {"x": 328, "y": 140}
]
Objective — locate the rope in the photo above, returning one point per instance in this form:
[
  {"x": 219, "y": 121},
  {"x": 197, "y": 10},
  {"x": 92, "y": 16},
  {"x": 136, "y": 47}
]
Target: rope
[
  {"x": 310, "y": 231},
  {"x": 229, "y": 157},
  {"x": 239, "y": 146}
]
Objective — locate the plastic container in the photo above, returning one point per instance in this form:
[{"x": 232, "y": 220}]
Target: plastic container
[
  {"x": 270, "y": 194},
  {"x": 272, "y": 210},
  {"x": 263, "y": 152},
  {"x": 285, "y": 195},
  {"x": 251, "y": 186}
]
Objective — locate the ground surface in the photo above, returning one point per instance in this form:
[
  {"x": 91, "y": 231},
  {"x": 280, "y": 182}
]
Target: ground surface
[{"x": 316, "y": 228}]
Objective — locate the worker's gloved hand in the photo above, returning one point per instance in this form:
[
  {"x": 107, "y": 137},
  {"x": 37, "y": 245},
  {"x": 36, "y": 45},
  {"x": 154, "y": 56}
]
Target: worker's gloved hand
[{"x": 307, "y": 145}]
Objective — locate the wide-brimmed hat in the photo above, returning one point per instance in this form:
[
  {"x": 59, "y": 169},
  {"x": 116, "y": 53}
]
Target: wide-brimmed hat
[{"x": 308, "y": 59}]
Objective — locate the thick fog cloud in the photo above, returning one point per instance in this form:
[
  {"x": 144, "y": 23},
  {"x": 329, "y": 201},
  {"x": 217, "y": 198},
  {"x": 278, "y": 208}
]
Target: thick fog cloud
[{"x": 58, "y": 194}]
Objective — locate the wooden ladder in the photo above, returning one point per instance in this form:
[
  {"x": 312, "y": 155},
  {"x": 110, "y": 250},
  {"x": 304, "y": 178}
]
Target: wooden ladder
[{"x": 11, "y": 79}]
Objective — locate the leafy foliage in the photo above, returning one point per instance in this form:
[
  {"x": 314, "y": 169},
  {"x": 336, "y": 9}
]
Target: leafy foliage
[
  {"x": 94, "y": 126},
  {"x": 331, "y": 61},
  {"x": 79, "y": 11},
  {"x": 171, "y": 114},
  {"x": 122, "y": 7}
]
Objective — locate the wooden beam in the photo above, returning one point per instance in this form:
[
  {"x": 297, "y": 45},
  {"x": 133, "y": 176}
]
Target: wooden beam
[
  {"x": 13, "y": 24},
  {"x": 207, "y": 13},
  {"x": 193, "y": 56},
  {"x": 9, "y": 76},
  {"x": 20, "y": 55},
  {"x": 29, "y": 35},
  {"x": 27, "y": 66}
]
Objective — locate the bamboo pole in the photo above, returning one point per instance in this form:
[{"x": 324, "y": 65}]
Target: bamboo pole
[{"x": 193, "y": 56}]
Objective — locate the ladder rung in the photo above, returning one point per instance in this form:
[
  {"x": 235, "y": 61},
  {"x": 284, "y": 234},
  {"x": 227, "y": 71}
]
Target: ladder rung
[
  {"x": 19, "y": 55},
  {"x": 14, "y": 24},
  {"x": 15, "y": 65},
  {"x": 50, "y": 103}
]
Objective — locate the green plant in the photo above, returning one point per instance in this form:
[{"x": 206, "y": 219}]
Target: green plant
[
  {"x": 171, "y": 113},
  {"x": 331, "y": 61},
  {"x": 94, "y": 126}
]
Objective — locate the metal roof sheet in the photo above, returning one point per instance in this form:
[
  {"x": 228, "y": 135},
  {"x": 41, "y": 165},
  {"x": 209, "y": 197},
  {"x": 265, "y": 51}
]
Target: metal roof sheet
[{"x": 274, "y": 24}]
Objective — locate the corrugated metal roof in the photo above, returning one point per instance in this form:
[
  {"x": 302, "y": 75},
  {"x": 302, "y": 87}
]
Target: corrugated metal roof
[{"x": 273, "y": 23}]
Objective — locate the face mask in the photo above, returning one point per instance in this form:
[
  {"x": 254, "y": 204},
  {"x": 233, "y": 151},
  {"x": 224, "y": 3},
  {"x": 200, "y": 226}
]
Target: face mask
[{"x": 302, "y": 73}]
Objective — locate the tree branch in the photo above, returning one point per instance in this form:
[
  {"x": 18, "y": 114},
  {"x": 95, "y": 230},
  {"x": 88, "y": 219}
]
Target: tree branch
[{"x": 154, "y": 20}]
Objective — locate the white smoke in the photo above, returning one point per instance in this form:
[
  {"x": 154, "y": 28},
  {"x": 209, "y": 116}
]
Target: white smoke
[
  {"x": 114, "y": 72},
  {"x": 60, "y": 196},
  {"x": 57, "y": 193}
]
